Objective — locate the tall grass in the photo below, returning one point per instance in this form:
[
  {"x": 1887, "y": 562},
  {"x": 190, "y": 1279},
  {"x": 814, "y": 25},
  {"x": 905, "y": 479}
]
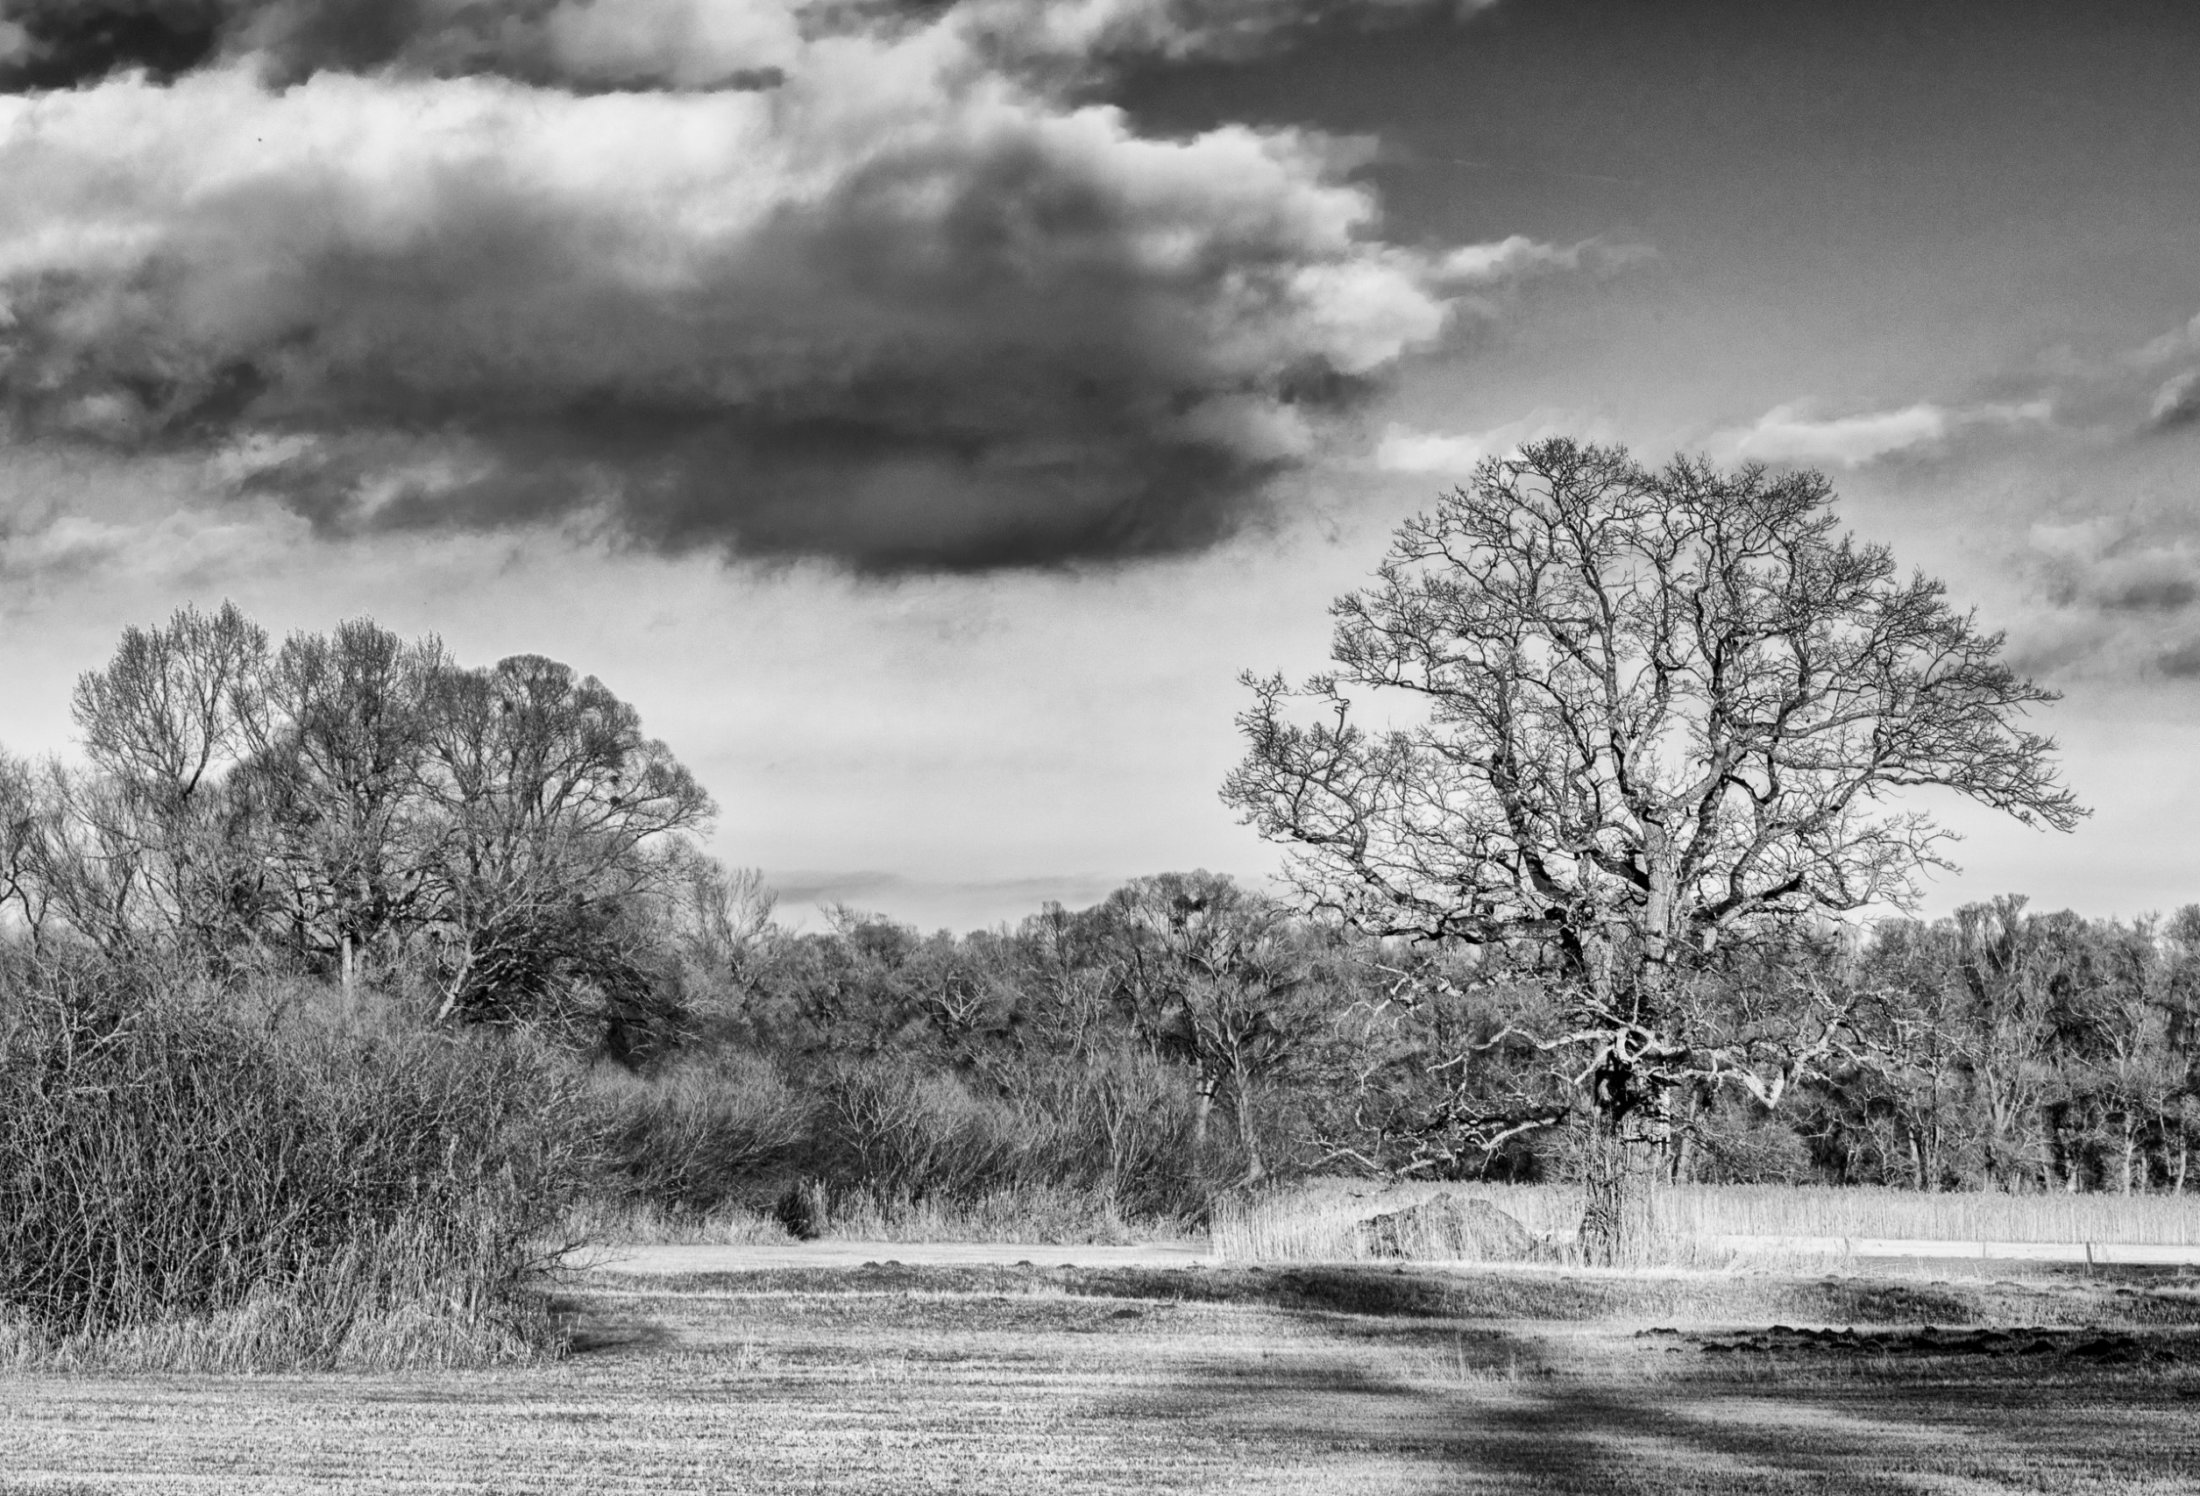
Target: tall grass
[
  {"x": 1035, "y": 1212},
  {"x": 1041, "y": 1214},
  {"x": 209, "y": 1182},
  {"x": 1322, "y": 1220},
  {"x": 895, "y": 1149},
  {"x": 1880, "y": 1211}
]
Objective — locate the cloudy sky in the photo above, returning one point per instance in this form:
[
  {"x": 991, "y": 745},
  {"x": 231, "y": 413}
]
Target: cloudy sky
[{"x": 924, "y": 409}]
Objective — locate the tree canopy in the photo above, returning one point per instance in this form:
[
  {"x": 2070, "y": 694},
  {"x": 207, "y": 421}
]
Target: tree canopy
[{"x": 1647, "y": 711}]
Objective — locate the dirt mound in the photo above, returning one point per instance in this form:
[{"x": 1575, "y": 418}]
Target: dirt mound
[{"x": 1445, "y": 1227}]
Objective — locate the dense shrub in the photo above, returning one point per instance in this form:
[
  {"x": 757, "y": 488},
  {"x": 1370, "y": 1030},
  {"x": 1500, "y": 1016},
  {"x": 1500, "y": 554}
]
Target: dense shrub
[
  {"x": 874, "y": 1143},
  {"x": 1745, "y": 1144},
  {"x": 181, "y": 1160},
  {"x": 704, "y": 1132}
]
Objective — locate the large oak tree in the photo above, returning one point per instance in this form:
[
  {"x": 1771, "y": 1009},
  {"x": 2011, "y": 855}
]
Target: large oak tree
[{"x": 1636, "y": 718}]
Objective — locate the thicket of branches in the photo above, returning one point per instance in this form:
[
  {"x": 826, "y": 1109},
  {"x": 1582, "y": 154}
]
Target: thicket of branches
[
  {"x": 244, "y": 1184},
  {"x": 1204, "y": 1035}
]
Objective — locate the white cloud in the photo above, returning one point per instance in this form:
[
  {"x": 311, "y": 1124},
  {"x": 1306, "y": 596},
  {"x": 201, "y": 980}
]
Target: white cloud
[
  {"x": 1404, "y": 449},
  {"x": 1793, "y": 433},
  {"x": 2169, "y": 347},
  {"x": 1517, "y": 257},
  {"x": 1506, "y": 259}
]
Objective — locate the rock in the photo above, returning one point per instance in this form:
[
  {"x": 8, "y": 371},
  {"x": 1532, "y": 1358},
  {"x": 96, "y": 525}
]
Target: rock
[{"x": 1446, "y": 1226}]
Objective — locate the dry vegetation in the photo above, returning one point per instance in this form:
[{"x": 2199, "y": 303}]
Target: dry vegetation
[
  {"x": 1362, "y": 1380},
  {"x": 1324, "y": 1220},
  {"x": 1036, "y": 1213},
  {"x": 214, "y": 1183}
]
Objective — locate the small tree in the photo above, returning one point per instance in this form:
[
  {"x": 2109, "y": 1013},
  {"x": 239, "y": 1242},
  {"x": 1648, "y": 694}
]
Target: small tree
[
  {"x": 1220, "y": 979},
  {"x": 1649, "y": 714}
]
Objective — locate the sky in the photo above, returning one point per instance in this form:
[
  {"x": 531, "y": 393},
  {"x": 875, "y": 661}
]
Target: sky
[{"x": 924, "y": 410}]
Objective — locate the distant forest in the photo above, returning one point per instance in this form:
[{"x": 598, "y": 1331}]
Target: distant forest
[{"x": 350, "y": 815}]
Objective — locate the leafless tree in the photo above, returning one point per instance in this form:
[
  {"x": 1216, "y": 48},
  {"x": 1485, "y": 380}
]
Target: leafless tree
[
  {"x": 21, "y": 839},
  {"x": 335, "y": 782},
  {"x": 1219, "y": 977},
  {"x": 1644, "y": 714},
  {"x": 142, "y": 841},
  {"x": 556, "y": 815}
]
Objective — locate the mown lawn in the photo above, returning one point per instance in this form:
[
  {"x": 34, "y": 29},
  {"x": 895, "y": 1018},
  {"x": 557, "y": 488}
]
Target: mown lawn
[{"x": 1340, "y": 1381}]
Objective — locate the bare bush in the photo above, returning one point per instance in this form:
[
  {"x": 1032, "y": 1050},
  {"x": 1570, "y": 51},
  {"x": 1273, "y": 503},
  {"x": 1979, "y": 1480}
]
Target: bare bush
[{"x": 178, "y": 1163}]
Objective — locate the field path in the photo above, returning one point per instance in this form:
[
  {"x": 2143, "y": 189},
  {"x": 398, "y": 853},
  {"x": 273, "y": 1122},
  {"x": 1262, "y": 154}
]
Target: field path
[
  {"x": 656, "y": 1261},
  {"x": 667, "y": 1261}
]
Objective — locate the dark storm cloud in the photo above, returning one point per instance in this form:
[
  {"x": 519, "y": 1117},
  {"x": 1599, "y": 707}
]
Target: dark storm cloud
[
  {"x": 56, "y": 44},
  {"x": 2176, "y": 403},
  {"x": 590, "y": 43},
  {"x": 625, "y": 43},
  {"x": 2113, "y": 596},
  {"x": 904, "y": 309},
  {"x": 2115, "y": 568},
  {"x": 2181, "y": 662}
]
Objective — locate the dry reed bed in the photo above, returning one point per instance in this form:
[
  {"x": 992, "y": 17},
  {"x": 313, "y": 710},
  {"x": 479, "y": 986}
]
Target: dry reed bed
[
  {"x": 1041, "y": 1214},
  {"x": 1322, "y": 1220}
]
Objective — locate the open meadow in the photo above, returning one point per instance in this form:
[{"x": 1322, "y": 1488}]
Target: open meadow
[{"x": 1344, "y": 1379}]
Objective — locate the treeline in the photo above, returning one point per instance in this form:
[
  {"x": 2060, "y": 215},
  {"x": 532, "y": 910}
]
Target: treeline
[
  {"x": 2003, "y": 1049},
  {"x": 282, "y": 881},
  {"x": 505, "y": 846},
  {"x": 1998, "y": 1049}
]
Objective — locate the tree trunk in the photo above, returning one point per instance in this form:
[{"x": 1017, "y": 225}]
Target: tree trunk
[
  {"x": 1617, "y": 1226},
  {"x": 1203, "y": 1105},
  {"x": 1241, "y": 1103}
]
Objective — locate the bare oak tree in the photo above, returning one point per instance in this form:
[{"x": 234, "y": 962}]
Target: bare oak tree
[{"x": 1645, "y": 714}]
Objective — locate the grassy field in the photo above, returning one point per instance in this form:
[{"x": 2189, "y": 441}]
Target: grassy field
[
  {"x": 1319, "y": 1220},
  {"x": 1317, "y": 1380}
]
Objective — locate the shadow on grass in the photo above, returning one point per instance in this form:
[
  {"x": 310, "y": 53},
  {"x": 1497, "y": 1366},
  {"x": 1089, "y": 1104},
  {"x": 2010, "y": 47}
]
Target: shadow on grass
[
  {"x": 592, "y": 1327},
  {"x": 1442, "y": 1372},
  {"x": 1948, "y": 1411}
]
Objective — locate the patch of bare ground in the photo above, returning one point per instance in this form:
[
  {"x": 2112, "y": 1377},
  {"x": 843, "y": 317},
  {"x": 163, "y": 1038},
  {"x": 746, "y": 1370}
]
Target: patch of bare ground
[{"x": 974, "y": 1379}]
